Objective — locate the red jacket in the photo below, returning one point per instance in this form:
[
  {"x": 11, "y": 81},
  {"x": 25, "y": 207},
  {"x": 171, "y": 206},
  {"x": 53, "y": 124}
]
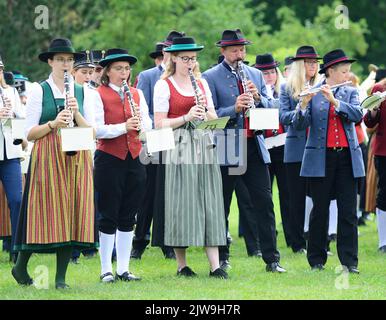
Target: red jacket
[{"x": 380, "y": 119}]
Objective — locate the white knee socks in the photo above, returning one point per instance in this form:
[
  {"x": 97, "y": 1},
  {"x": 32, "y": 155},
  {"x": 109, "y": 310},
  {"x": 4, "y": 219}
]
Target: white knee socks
[
  {"x": 106, "y": 251},
  {"x": 124, "y": 241}
]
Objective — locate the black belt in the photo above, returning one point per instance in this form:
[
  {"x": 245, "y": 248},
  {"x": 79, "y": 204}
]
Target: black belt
[{"x": 337, "y": 149}]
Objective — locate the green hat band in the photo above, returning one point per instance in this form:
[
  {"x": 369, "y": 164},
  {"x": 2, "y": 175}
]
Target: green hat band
[
  {"x": 117, "y": 55},
  {"x": 183, "y": 47}
]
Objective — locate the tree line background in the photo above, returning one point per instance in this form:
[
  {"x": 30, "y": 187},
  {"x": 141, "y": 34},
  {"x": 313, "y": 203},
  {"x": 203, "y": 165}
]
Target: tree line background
[{"x": 275, "y": 26}]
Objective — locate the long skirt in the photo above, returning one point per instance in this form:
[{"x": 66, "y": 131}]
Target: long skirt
[
  {"x": 58, "y": 202},
  {"x": 371, "y": 179},
  {"x": 193, "y": 206},
  {"x": 5, "y": 215}
]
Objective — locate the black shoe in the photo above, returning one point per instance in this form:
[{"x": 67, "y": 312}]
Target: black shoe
[
  {"x": 22, "y": 282},
  {"x": 74, "y": 260},
  {"x": 256, "y": 253},
  {"x": 218, "y": 273},
  {"x": 225, "y": 264},
  {"x": 361, "y": 221},
  {"x": 61, "y": 286},
  {"x": 318, "y": 267},
  {"x": 107, "y": 277},
  {"x": 186, "y": 272},
  {"x": 382, "y": 249},
  {"x": 275, "y": 267},
  {"x": 353, "y": 269},
  {"x": 137, "y": 253},
  {"x": 89, "y": 255},
  {"x": 169, "y": 253},
  {"x": 127, "y": 276}
]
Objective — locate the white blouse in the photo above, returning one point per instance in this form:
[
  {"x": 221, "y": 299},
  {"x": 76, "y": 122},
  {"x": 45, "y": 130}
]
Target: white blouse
[
  {"x": 110, "y": 131},
  {"x": 162, "y": 94},
  {"x": 35, "y": 102}
]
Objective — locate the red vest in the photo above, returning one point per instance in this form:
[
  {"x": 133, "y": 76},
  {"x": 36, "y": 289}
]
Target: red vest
[
  {"x": 336, "y": 137},
  {"x": 179, "y": 104},
  {"x": 116, "y": 112}
]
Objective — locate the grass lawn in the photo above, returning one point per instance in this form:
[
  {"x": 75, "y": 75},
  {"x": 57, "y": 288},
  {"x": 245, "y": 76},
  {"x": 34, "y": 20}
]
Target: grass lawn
[{"x": 248, "y": 279}]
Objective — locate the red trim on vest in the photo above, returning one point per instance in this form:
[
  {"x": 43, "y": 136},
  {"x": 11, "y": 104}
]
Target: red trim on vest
[
  {"x": 269, "y": 133},
  {"x": 360, "y": 133},
  {"x": 336, "y": 136},
  {"x": 115, "y": 112}
]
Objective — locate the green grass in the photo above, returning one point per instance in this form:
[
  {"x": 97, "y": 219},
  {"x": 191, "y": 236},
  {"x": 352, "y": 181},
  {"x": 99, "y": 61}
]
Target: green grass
[{"x": 248, "y": 279}]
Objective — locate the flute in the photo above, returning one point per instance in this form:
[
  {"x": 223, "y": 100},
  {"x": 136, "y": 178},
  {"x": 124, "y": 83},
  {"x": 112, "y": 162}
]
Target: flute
[{"x": 316, "y": 90}]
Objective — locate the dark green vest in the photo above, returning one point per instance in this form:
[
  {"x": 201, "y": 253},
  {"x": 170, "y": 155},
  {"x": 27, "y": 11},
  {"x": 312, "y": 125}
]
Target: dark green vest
[{"x": 51, "y": 106}]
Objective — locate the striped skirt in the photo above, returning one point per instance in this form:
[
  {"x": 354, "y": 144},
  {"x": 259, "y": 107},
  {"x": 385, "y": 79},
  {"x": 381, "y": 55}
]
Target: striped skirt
[
  {"x": 371, "y": 179},
  {"x": 194, "y": 206},
  {"x": 5, "y": 215},
  {"x": 58, "y": 201}
]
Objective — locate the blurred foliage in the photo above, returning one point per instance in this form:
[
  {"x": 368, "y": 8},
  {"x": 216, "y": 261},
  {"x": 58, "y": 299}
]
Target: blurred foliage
[{"x": 277, "y": 26}]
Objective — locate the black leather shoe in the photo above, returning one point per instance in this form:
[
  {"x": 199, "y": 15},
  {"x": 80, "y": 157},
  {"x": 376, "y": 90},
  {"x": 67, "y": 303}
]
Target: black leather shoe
[
  {"x": 225, "y": 264},
  {"x": 22, "y": 282},
  {"x": 186, "y": 272},
  {"x": 74, "y": 260},
  {"x": 318, "y": 267},
  {"x": 169, "y": 253},
  {"x": 218, "y": 273},
  {"x": 61, "y": 286},
  {"x": 301, "y": 251},
  {"x": 127, "y": 276},
  {"x": 275, "y": 267},
  {"x": 353, "y": 269},
  {"x": 382, "y": 249},
  {"x": 136, "y": 254},
  {"x": 107, "y": 277}
]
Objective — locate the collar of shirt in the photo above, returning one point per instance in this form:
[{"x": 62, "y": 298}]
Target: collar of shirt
[
  {"x": 162, "y": 66},
  {"x": 115, "y": 88},
  {"x": 55, "y": 90},
  {"x": 229, "y": 67}
]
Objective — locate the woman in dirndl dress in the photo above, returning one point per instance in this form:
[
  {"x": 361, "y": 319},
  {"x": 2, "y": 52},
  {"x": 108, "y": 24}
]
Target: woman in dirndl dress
[
  {"x": 193, "y": 203},
  {"x": 57, "y": 212}
]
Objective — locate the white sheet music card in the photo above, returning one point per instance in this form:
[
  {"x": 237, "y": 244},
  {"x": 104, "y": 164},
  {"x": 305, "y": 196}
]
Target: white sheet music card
[
  {"x": 275, "y": 141},
  {"x": 263, "y": 118},
  {"x": 160, "y": 140},
  {"x": 76, "y": 139},
  {"x": 18, "y": 126}
]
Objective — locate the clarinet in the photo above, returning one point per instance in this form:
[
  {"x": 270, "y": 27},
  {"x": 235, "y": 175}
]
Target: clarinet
[
  {"x": 130, "y": 99},
  {"x": 244, "y": 79},
  {"x": 67, "y": 96},
  {"x": 197, "y": 92},
  {"x": 15, "y": 141}
]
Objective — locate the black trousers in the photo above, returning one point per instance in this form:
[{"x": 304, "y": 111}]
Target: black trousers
[
  {"x": 247, "y": 223},
  {"x": 338, "y": 180},
  {"x": 380, "y": 165},
  {"x": 120, "y": 185},
  {"x": 256, "y": 179},
  {"x": 145, "y": 214},
  {"x": 297, "y": 186},
  {"x": 277, "y": 169}
]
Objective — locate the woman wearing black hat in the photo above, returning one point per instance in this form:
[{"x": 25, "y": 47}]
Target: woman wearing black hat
[
  {"x": 304, "y": 72},
  {"x": 57, "y": 212},
  {"x": 10, "y": 154},
  {"x": 118, "y": 173},
  {"x": 332, "y": 160},
  {"x": 83, "y": 68},
  {"x": 193, "y": 204}
]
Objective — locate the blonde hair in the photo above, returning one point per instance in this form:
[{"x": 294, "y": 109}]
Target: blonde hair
[
  {"x": 296, "y": 80},
  {"x": 170, "y": 68},
  {"x": 3, "y": 84},
  {"x": 279, "y": 80}
]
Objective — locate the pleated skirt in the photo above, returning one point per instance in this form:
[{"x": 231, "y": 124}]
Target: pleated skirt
[{"x": 58, "y": 201}]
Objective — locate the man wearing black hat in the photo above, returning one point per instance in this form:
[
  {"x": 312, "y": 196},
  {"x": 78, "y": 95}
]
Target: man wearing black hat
[
  {"x": 158, "y": 54},
  {"x": 146, "y": 82},
  {"x": 230, "y": 100}
]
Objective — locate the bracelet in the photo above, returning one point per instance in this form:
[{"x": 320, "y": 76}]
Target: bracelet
[{"x": 49, "y": 125}]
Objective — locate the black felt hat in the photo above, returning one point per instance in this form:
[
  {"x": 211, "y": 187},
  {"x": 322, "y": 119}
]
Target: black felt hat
[
  {"x": 266, "y": 62},
  {"x": 232, "y": 38},
  {"x": 58, "y": 45},
  {"x": 306, "y": 52},
  {"x": 117, "y": 54},
  {"x": 173, "y": 34},
  {"x": 158, "y": 52},
  {"x": 184, "y": 44},
  {"x": 380, "y": 74},
  {"x": 333, "y": 57}
]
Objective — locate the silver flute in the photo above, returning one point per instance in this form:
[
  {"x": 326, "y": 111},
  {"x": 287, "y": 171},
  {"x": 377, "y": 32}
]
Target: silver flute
[{"x": 316, "y": 90}]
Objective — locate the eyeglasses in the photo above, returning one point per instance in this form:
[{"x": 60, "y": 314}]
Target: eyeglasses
[
  {"x": 62, "y": 60},
  {"x": 186, "y": 59},
  {"x": 310, "y": 63},
  {"x": 120, "y": 68}
]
